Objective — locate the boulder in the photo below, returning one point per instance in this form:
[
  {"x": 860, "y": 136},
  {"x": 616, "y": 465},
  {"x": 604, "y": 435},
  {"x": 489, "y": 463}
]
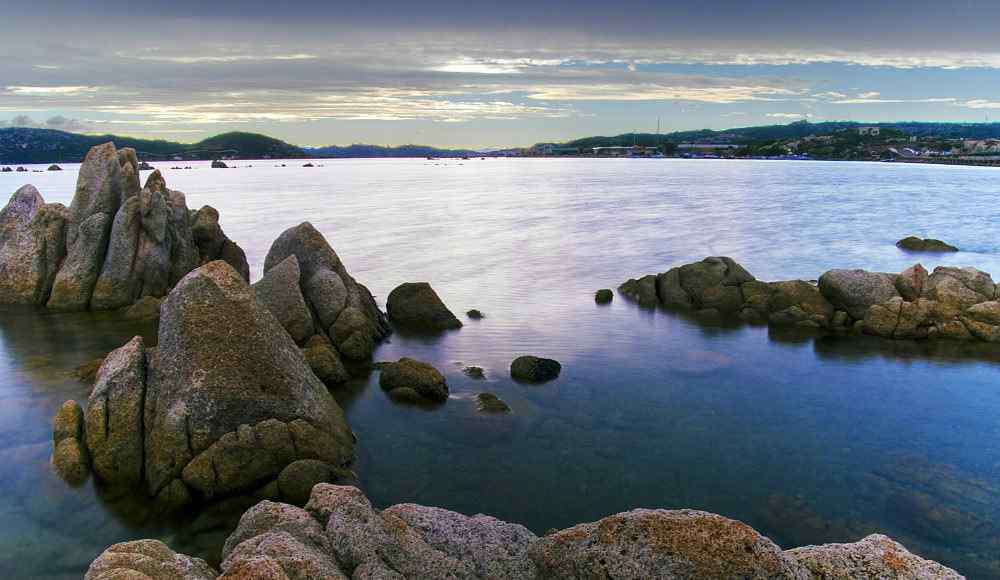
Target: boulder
[
  {"x": 876, "y": 556},
  {"x": 474, "y": 314},
  {"x": 647, "y": 543},
  {"x": 213, "y": 244},
  {"x": 799, "y": 303},
  {"x": 147, "y": 560},
  {"x": 324, "y": 360},
  {"x": 54, "y": 167},
  {"x": 68, "y": 422},
  {"x": 491, "y": 548},
  {"x": 534, "y": 369},
  {"x": 279, "y": 292},
  {"x": 115, "y": 415},
  {"x": 230, "y": 399},
  {"x": 915, "y": 244},
  {"x": 219, "y": 165},
  {"x": 910, "y": 282},
  {"x": 423, "y": 378},
  {"x": 956, "y": 289},
  {"x": 983, "y": 320},
  {"x": 69, "y": 457},
  {"x": 603, "y": 296},
  {"x": 296, "y": 481},
  {"x": 32, "y": 246},
  {"x": 342, "y": 307},
  {"x": 416, "y": 306},
  {"x": 146, "y": 308},
  {"x": 855, "y": 291}
]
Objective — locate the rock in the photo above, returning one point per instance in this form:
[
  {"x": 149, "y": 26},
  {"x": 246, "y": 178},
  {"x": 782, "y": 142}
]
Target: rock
[
  {"x": 115, "y": 415},
  {"x": 915, "y": 244},
  {"x": 32, "y": 247},
  {"x": 475, "y": 314},
  {"x": 143, "y": 166},
  {"x": 146, "y": 308},
  {"x": 474, "y": 373},
  {"x": 603, "y": 296},
  {"x": 416, "y": 306},
  {"x": 712, "y": 283},
  {"x": 130, "y": 172},
  {"x": 324, "y": 361},
  {"x": 219, "y": 165},
  {"x": 230, "y": 399},
  {"x": 74, "y": 283},
  {"x": 70, "y": 461},
  {"x": 68, "y": 422},
  {"x": 213, "y": 244},
  {"x": 855, "y": 291},
  {"x": 296, "y": 481},
  {"x": 491, "y": 548},
  {"x": 642, "y": 290},
  {"x": 799, "y": 303},
  {"x": 407, "y": 395},
  {"x": 419, "y": 376},
  {"x": 983, "y": 320},
  {"x": 54, "y": 167},
  {"x": 490, "y": 403},
  {"x": 6, "y": 169},
  {"x": 87, "y": 372},
  {"x": 956, "y": 289},
  {"x": 279, "y": 292},
  {"x": 910, "y": 282},
  {"x": 534, "y": 369},
  {"x": 646, "y": 543},
  {"x": 147, "y": 559},
  {"x": 369, "y": 544},
  {"x": 876, "y": 556},
  {"x": 344, "y": 308}
]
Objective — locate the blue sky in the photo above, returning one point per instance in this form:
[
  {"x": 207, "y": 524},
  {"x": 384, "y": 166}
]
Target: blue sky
[{"x": 484, "y": 74}]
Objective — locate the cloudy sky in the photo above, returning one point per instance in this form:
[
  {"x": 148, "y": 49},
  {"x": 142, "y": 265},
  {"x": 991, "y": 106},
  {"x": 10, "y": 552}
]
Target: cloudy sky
[{"x": 482, "y": 74}]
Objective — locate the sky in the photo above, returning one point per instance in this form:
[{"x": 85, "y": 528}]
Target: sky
[{"x": 484, "y": 74}]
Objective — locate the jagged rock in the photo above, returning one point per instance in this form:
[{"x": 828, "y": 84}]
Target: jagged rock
[
  {"x": 603, "y": 296},
  {"x": 130, "y": 172},
  {"x": 213, "y": 244},
  {"x": 343, "y": 308},
  {"x": 324, "y": 360},
  {"x": 145, "y": 308},
  {"x": 415, "y": 305},
  {"x": 419, "y": 376},
  {"x": 490, "y": 403},
  {"x": 32, "y": 246},
  {"x": 490, "y": 547},
  {"x": 534, "y": 369},
  {"x": 147, "y": 560},
  {"x": 115, "y": 415},
  {"x": 646, "y": 543},
  {"x": 876, "y": 556},
  {"x": 855, "y": 291},
  {"x": 230, "y": 399},
  {"x": 915, "y": 244},
  {"x": 296, "y": 481},
  {"x": 280, "y": 293}
]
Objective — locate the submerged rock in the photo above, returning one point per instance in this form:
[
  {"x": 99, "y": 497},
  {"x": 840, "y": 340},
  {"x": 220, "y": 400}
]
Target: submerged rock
[
  {"x": 421, "y": 377},
  {"x": 416, "y": 306},
  {"x": 490, "y": 403},
  {"x": 474, "y": 373},
  {"x": 915, "y": 244},
  {"x": 534, "y": 369}
]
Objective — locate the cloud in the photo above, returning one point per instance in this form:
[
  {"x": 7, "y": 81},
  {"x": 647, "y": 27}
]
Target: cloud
[
  {"x": 789, "y": 115},
  {"x": 57, "y": 122},
  {"x": 218, "y": 59},
  {"x": 50, "y": 90},
  {"x": 981, "y": 104},
  {"x": 656, "y": 92}
]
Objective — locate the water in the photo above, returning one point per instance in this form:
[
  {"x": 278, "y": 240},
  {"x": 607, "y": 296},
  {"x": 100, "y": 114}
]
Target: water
[{"x": 807, "y": 439}]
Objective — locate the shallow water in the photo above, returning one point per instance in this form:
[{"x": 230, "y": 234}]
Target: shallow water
[{"x": 807, "y": 439}]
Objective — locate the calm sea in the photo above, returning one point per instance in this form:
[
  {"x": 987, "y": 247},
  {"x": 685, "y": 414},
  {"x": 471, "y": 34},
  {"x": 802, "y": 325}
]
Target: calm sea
[{"x": 808, "y": 439}]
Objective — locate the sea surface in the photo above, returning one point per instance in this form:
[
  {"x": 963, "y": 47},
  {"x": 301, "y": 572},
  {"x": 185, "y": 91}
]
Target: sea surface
[{"x": 807, "y": 438}]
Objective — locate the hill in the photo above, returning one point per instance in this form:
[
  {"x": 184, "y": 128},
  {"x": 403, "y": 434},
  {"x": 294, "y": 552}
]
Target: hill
[
  {"x": 361, "y": 150},
  {"x": 24, "y": 145}
]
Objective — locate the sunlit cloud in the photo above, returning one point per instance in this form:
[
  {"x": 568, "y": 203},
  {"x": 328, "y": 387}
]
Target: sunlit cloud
[
  {"x": 54, "y": 90},
  {"x": 789, "y": 115},
  {"x": 656, "y": 92}
]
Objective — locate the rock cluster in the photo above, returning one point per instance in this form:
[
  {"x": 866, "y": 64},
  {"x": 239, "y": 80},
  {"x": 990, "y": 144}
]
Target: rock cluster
[
  {"x": 958, "y": 303},
  {"x": 223, "y": 405},
  {"x": 321, "y": 306},
  {"x": 116, "y": 243},
  {"x": 339, "y": 534}
]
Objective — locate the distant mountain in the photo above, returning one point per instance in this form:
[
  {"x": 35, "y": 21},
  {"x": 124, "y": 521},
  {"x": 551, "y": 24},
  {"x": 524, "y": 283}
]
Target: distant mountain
[
  {"x": 360, "y": 150},
  {"x": 24, "y": 145},
  {"x": 797, "y": 130}
]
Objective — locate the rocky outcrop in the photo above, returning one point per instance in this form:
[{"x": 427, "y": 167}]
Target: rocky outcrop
[
  {"x": 280, "y": 293},
  {"x": 147, "y": 559},
  {"x": 116, "y": 244},
  {"x": 340, "y": 308},
  {"x": 915, "y": 244},
  {"x": 221, "y": 406},
  {"x": 534, "y": 369},
  {"x": 957, "y": 303},
  {"x": 420, "y": 377},
  {"x": 339, "y": 535},
  {"x": 416, "y": 306}
]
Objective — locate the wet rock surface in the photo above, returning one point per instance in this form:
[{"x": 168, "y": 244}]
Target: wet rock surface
[
  {"x": 340, "y": 534},
  {"x": 116, "y": 244}
]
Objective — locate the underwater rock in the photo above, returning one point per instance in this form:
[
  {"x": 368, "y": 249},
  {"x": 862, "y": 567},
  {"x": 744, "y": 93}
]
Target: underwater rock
[
  {"x": 416, "y": 306},
  {"x": 534, "y": 369},
  {"x": 474, "y": 372}
]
